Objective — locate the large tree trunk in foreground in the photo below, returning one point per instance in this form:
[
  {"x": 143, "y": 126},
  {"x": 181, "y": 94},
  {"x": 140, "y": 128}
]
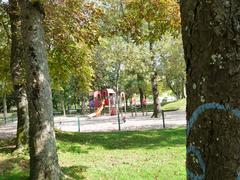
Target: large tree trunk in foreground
[
  {"x": 211, "y": 36},
  {"x": 17, "y": 71},
  {"x": 43, "y": 155}
]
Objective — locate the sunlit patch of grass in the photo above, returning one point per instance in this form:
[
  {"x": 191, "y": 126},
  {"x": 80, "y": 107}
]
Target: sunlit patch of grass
[
  {"x": 152, "y": 154},
  {"x": 177, "y": 105},
  {"x": 155, "y": 154}
]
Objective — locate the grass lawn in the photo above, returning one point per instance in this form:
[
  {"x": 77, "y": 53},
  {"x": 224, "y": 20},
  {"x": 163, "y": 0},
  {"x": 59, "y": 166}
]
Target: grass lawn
[
  {"x": 180, "y": 104},
  {"x": 154, "y": 154}
]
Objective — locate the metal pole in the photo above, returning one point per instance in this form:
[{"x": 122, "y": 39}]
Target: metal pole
[
  {"x": 163, "y": 118},
  {"x": 119, "y": 126},
  {"x": 78, "y": 124},
  {"x": 117, "y": 98},
  {"x": 117, "y": 109},
  {"x": 109, "y": 105}
]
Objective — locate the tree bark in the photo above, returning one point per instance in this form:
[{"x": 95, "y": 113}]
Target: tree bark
[
  {"x": 5, "y": 107},
  {"x": 211, "y": 37},
  {"x": 183, "y": 89},
  {"x": 140, "y": 79},
  {"x": 43, "y": 154},
  {"x": 17, "y": 72},
  {"x": 141, "y": 96},
  {"x": 63, "y": 107},
  {"x": 156, "y": 103}
]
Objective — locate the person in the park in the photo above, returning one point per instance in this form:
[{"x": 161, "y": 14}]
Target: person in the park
[
  {"x": 133, "y": 105},
  {"x": 91, "y": 104},
  {"x": 144, "y": 105}
]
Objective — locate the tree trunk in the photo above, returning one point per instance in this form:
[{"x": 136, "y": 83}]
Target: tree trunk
[
  {"x": 17, "y": 71},
  {"x": 183, "y": 89},
  {"x": 211, "y": 44},
  {"x": 141, "y": 96},
  {"x": 43, "y": 154},
  {"x": 140, "y": 79},
  {"x": 175, "y": 92},
  {"x": 156, "y": 103},
  {"x": 63, "y": 107},
  {"x": 5, "y": 107},
  {"x": 126, "y": 101}
]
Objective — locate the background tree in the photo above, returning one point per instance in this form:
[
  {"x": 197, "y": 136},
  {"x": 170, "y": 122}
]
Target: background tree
[
  {"x": 211, "y": 47},
  {"x": 134, "y": 65},
  {"x": 171, "y": 64},
  {"x": 70, "y": 46},
  {"x": 18, "y": 76},
  {"x": 5, "y": 75},
  {"x": 147, "y": 21}
]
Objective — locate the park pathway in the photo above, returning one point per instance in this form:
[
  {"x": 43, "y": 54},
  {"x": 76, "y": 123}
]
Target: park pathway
[{"x": 107, "y": 123}]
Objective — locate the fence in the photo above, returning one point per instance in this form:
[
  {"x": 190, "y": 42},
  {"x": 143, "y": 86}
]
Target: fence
[{"x": 81, "y": 123}]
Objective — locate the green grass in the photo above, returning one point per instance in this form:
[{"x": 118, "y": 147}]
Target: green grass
[
  {"x": 155, "y": 154},
  {"x": 177, "y": 105}
]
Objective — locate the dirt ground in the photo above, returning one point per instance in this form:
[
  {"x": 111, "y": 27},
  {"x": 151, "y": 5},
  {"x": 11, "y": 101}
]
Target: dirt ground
[{"x": 107, "y": 123}]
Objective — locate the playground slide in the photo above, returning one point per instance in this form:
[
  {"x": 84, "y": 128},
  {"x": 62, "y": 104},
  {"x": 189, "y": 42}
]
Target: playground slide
[{"x": 98, "y": 111}]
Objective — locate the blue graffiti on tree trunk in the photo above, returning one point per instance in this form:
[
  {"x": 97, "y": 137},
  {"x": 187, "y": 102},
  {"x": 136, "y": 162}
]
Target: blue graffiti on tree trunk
[{"x": 193, "y": 149}]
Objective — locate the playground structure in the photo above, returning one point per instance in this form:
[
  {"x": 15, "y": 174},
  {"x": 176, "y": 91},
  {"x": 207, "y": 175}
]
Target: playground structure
[{"x": 107, "y": 100}]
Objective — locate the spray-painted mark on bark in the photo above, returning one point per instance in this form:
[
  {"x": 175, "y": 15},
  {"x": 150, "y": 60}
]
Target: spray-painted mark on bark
[
  {"x": 194, "y": 150},
  {"x": 197, "y": 153},
  {"x": 200, "y": 110},
  {"x": 238, "y": 176}
]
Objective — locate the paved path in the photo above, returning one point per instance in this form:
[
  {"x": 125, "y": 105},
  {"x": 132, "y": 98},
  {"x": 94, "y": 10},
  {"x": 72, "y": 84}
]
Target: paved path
[
  {"x": 107, "y": 123},
  {"x": 8, "y": 131}
]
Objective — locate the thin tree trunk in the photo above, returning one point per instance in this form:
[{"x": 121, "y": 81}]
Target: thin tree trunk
[
  {"x": 183, "y": 89},
  {"x": 172, "y": 89},
  {"x": 43, "y": 154},
  {"x": 156, "y": 103},
  {"x": 211, "y": 44},
  {"x": 5, "y": 107},
  {"x": 17, "y": 71},
  {"x": 140, "y": 79},
  {"x": 141, "y": 96},
  {"x": 63, "y": 107}
]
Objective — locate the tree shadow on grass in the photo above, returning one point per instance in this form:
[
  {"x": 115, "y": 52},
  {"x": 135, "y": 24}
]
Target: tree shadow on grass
[
  {"x": 7, "y": 146},
  {"x": 71, "y": 147},
  {"x": 127, "y": 139},
  {"x": 74, "y": 172},
  {"x": 14, "y": 168},
  {"x": 18, "y": 168}
]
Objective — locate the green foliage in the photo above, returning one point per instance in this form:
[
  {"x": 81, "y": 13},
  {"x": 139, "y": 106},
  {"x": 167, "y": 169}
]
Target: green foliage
[
  {"x": 70, "y": 44},
  {"x": 72, "y": 29},
  {"x": 172, "y": 64},
  {"x": 148, "y": 20},
  {"x": 5, "y": 74},
  {"x": 133, "y": 59},
  {"x": 6, "y": 87}
]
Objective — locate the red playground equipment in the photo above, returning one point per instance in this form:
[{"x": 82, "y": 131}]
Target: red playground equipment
[{"x": 108, "y": 96}]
